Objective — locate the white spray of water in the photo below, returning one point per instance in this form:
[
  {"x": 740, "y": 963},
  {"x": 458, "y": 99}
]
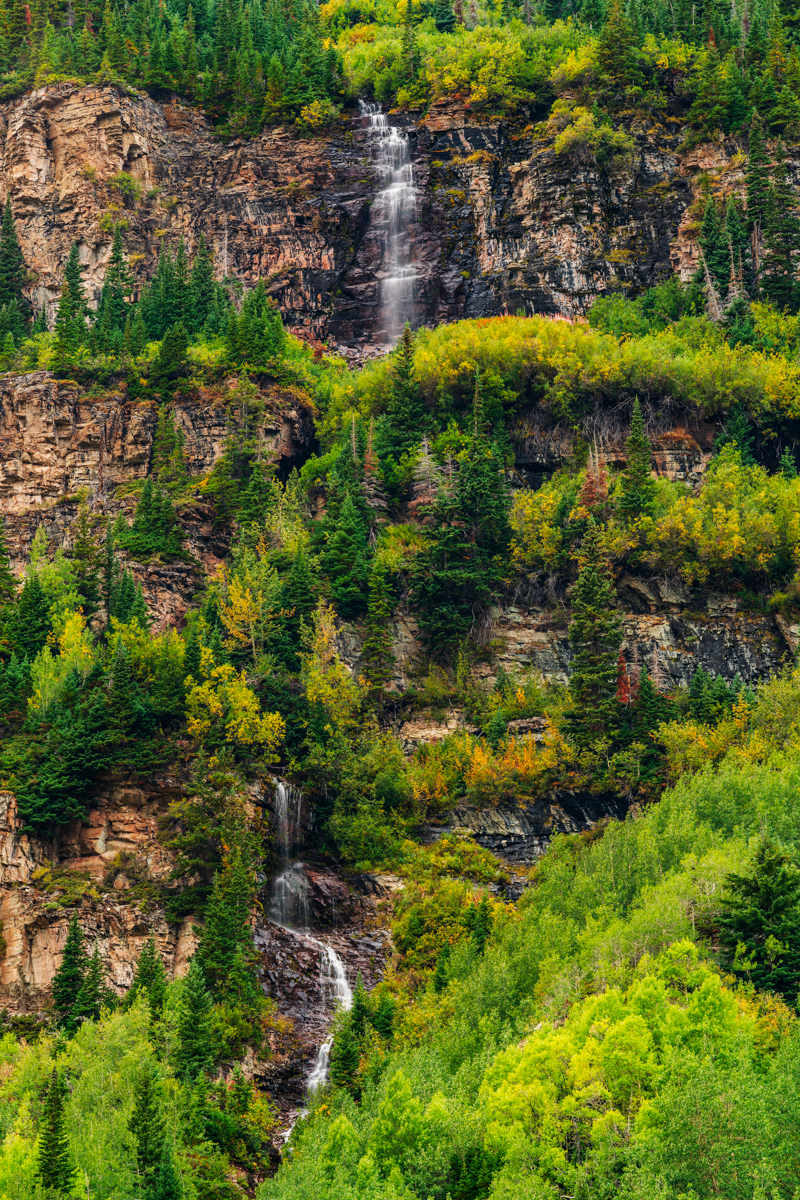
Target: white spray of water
[
  {"x": 393, "y": 211},
  {"x": 289, "y": 908}
]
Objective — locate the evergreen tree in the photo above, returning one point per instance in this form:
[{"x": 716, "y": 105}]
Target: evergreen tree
[
  {"x": 194, "y": 1053},
  {"x": 171, "y": 362},
  {"x": 638, "y": 487},
  {"x": 112, "y": 309},
  {"x": 150, "y": 978},
  {"x": 781, "y": 241},
  {"x": 441, "y": 975},
  {"x": 148, "y": 1127},
  {"x": 713, "y": 239},
  {"x": 202, "y": 288},
  {"x": 444, "y": 17},
  {"x": 482, "y": 925},
  {"x": 345, "y": 560},
  {"x": 93, "y": 992},
  {"x": 405, "y": 408},
  {"x": 345, "y": 1057},
  {"x": 377, "y": 656},
  {"x": 360, "y": 1012},
  {"x": 54, "y": 1167},
  {"x": 595, "y": 634},
  {"x": 299, "y": 594},
  {"x": 228, "y": 929},
  {"x": 617, "y": 54},
  {"x": 166, "y": 1183},
  {"x": 13, "y": 276},
  {"x": 738, "y": 432},
  {"x": 85, "y": 556},
  {"x": 383, "y": 1020},
  {"x": 70, "y": 327},
  {"x": 69, "y": 977},
  {"x": 30, "y": 624},
  {"x": 760, "y": 922},
  {"x": 8, "y": 583}
]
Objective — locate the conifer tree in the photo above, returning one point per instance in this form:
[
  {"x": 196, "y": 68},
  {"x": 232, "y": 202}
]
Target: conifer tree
[
  {"x": 171, "y": 362},
  {"x": 70, "y": 327},
  {"x": 228, "y": 927},
  {"x": 30, "y": 623},
  {"x": 441, "y": 975},
  {"x": 148, "y": 1127},
  {"x": 345, "y": 1057},
  {"x": 8, "y": 583},
  {"x": 93, "y": 992},
  {"x": 202, "y": 287},
  {"x": 781, "y": 241},
  {"x": 54, "y": 1167},
  {"x": 377, "y": 656},
  {"x": 112, "y": 308},
  {"x": 482, "y": 925},
  {"x": 595, "y": 634},
  {"x": 194, "y": 1053},
  {"x": 150, "y": 978},
  {"x": 616, "y": 54},
  {"x": 713, "y": 239},
  {"x": 85, "y": 557},
  {"x": 360, "y": 1012},
  {"x": 345, "y": 560},
  {"x": 760, "y": 922},
  {"x": 13, "y": 276},
  {"x": 69, "y": 977},
  {"x": 405, "y": 407},
  {"x": 638, "y": 487}
]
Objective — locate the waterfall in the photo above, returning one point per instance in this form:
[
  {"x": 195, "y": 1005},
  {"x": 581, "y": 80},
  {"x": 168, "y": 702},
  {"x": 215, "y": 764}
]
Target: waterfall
[
  {"x": 333, "y": 980},
  {"x": 393, "y": 211},
  {"x": 289, "y": 908}
]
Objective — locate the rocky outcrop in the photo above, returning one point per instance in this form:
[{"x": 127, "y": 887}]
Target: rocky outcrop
[
  {"x": 503, "y": 224},
  {"x": 520, "y": 834}
]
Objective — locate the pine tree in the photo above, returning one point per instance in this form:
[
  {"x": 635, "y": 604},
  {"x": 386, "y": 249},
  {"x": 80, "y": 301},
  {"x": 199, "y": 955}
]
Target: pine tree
[
  {"x": 202, "y": 287},
  {"x": 8, "y": 583},
  {"x": 228, "y": 927},
  {"x": 377, "y": 656},
  {"x": 70, "y": 328},
  {"x": 781, "y": 241},
  {"x": 30, "y": 623},
  {"x": 383, "y": 1019},
  {"x": 617, "y": 54},
  {"x": 85, "y": 557},
  {"x": 54, "y": 1167},
  {"x": 150, "y": 978},
  {"x": 93, "y": 992},
  {"x": 171, "y": 362},
  {"x": 595, "y": 634},
  {"x": 148, "y": 1127},
  {"x": 441, "y": 975},
  {"x": 638, "y": 487},
  {"x": 112, "y": 309},
  {"x": 405, "y": 408},
  {"x": 713, "y": 239},
  {"x": 345, "y": 1057},
  {"x": 69, "y": 977},
  {"x": 361, "y": 1011},
  {"x": 760, "y": 922},
  {"x": 166, "y": 1183},
  {"x": 444, "y": 17},
  {"x": 482, "y": 925},
  {"x": 13, "y": 276},
  {"x": 345, "y": 560},
  {"x": 194, "y": 1053}
]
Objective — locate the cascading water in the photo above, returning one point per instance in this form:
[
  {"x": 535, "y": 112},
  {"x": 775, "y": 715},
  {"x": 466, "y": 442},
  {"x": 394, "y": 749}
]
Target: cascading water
[
  {"x": 393, "y": 211},
  {"x": 289, "y": 908}
]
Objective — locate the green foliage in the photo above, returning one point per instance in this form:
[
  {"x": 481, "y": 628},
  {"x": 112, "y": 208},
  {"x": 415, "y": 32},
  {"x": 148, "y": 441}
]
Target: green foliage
[
  {"x": 68, "y": 979},
  {"x": 638, "y": 489},
  {"x": 194, "y": 1053},
  {"x": 54, "y": 1167},
  {"x": 595, "y": 635},
  {"x": 154, "y": 529}
]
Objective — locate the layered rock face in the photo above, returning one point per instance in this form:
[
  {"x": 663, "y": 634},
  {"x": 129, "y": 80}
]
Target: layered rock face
[{"x": 502, "y": 223}]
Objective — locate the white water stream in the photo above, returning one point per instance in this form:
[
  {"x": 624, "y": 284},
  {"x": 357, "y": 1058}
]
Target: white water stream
[
  {"x": 288, "y": 907},
  {"x": 393, "y": 211}
]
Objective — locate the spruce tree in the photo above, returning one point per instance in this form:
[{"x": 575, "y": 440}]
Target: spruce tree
[
  {"x": 171, "y": 362},
  {"x": 202, "y": 287},
  {"x": 638, "y": 487},
  {"x": 54, "y": 1166},
  {"x": 781, "y": 241},
  {"x": 69, "y": 977},
  {"x": 595, "y": 634},
  {"x": 713, "y": 239},
  {"x": 405, "y": 408},
  {"x": 117, "y": 288},
  {"x": 617, "y": 54},
  {"x": 149, "y": 978},
  {"x": 228, "y": 929},
  {"x": 760, "y": 922},
  {"x": 8, "y": 583},
  {"x": 166, "y": 1183},
  {"x": 30, "y": 624},
  {"x": 13, "y": 276},
  {"x": 194, "y": 1053},
  {"x": 442, "y": 974},
  {"x": 377, "y": 656},
  {"x": 93, "y": 992},
  {"x": 345, "y": 1057},
  {"x": 482, "y": 925},
  {"x": 70, "y": 328},
  {"x": 299, "y": 594},
  {"x": 148, "y": 1127},
  {"x": 345, "y": 560},
  {"x": 360, "y": 1012},
  {"x": 85, "y": 557}
]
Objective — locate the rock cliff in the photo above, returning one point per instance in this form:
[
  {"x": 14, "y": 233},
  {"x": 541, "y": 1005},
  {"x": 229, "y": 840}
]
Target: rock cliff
[{"x": 502, "y": 222}]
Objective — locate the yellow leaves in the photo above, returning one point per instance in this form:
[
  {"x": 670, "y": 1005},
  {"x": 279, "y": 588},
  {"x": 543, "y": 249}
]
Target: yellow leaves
[
  {"x": 49, "y": 672},
  {"x": 521, "y": 769},
  {"x": 327, "y": 680},
  {"x": 223, "y": 701}
]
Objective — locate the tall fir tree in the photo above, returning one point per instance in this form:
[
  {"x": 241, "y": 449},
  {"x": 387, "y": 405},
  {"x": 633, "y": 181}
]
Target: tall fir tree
[
  {"x": 595, "y": 634},
  {"x": 377, "y": 656},
  {"x": 148, "y": 1127},
  {"x": 759, "y": 925},
  {"x": 13, "y": 275},
  {"x": 85, "y": 557},
  {"x": 8, "y": 583},
  {"x": 54, "y": 1162},
  {"x": 194, "y": 1052},
  {"x": 781, "y": 241},
  {"x": 637, "y": 485},
  {"x": 93, "y": 993},
  {"x": 69, "y": 977},
  {"x": 228, "y": 927}
]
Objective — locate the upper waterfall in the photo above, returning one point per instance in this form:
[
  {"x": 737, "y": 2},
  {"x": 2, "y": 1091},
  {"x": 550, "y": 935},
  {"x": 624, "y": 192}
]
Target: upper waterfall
[{"x": 393, "y": 211}]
